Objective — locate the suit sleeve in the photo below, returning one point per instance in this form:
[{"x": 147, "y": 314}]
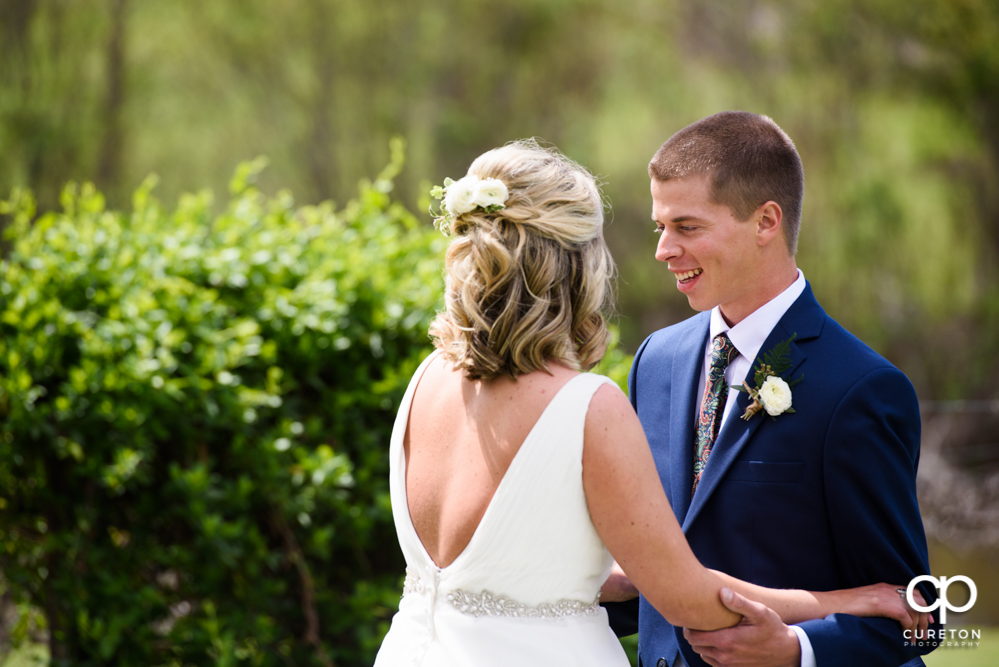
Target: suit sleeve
[
  {"x": 623, "y": 616},
  {"x": 870, "y": 459},
  {"x": 633, "y": 374}
]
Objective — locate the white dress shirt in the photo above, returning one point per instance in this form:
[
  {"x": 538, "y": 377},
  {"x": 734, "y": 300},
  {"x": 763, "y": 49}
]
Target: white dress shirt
[{"x": 748, "y": 337}]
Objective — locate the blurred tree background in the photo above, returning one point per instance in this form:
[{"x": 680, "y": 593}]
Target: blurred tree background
[{"x": 893, "y": 104}]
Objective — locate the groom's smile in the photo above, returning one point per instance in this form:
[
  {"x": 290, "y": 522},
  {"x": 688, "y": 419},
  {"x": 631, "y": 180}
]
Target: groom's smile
[
  {"x": 685, "y": 277},
  {"x": 686, "y": 280}
]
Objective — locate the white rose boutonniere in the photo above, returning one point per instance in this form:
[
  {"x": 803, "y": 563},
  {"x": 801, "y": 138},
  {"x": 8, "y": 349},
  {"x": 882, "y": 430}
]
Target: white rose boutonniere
[
  {"x": 775, "y": 395},
  {"x": 772, "y": 393},
  {"x": 465, "y": 195}
]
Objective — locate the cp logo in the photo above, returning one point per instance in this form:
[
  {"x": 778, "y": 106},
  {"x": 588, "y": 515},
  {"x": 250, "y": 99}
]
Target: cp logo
[{"x": 942, "y": 584}]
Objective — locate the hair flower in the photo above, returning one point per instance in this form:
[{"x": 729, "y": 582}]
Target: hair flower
[
  {"x": 465, "y": 195},
  {"x": 491, "y": 192},
  {"x": 459, "y": 197}
]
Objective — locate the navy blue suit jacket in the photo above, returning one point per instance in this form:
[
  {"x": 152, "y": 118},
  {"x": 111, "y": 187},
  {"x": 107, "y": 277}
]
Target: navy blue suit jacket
[{"x": 821, "y": 499}]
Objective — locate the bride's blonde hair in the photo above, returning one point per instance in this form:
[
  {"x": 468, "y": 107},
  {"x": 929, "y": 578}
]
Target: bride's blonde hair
[{"x": 529, "y": 283}]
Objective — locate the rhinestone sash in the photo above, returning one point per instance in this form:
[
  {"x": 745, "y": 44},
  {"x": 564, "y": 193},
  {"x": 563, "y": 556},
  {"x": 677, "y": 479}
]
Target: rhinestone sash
[{"x": 488, "y": 604}]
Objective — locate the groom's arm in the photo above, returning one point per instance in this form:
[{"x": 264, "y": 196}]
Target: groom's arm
[
  {"x": 633, "y": 373},
  {"x": 871, "y": 455},
  {"x": 623, "y": 616}
]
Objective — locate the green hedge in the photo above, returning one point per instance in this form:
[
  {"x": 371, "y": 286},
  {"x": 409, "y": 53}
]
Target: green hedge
[
  {"x": 194, "y": 412},
  {"x": 194, "y": 418}
]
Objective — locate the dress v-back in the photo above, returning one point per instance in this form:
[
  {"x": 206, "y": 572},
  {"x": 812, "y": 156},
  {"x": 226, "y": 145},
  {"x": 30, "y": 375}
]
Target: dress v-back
[{"x": 524, "y": 590}]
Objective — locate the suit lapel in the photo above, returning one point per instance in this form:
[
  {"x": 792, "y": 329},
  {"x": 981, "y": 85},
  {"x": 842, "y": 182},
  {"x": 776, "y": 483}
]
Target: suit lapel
[
  {"x": 687, "y": 360},
  {"x": 804, "y": 318}
]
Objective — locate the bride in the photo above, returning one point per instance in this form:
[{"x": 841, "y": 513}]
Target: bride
[{"x": 517, "y": 479}]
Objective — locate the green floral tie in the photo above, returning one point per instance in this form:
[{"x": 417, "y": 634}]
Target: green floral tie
[{"x": 713, "y": 403}]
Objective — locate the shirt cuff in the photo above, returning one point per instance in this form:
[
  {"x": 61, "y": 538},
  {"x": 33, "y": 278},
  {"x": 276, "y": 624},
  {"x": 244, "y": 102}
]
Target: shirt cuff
[{"x": 807, "y": 654}]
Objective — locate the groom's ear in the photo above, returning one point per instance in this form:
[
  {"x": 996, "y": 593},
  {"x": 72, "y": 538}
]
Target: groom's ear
[{"x": 768, "y": 219}]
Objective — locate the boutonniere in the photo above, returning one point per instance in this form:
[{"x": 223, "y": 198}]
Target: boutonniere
[{"x": 772, "y": 392}]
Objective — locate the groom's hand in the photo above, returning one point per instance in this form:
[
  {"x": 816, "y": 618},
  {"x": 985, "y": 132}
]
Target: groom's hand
[
  {"x": 618, "y": 587},
  {"x": 760, "y": 640}
]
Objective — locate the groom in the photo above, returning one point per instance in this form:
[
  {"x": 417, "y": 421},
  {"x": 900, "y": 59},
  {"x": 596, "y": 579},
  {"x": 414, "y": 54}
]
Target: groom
[{"x": 820, "y": 496}]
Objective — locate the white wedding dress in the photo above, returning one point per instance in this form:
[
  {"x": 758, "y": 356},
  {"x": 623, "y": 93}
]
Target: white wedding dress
[{"x": 524, "y": 591}]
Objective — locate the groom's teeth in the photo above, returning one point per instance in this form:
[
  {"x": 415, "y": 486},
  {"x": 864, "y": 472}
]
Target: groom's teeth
[{"x": 689, "y": 274}]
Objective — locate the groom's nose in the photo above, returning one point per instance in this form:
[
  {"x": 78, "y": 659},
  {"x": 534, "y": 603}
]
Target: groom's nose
[{"x": 667, "y": 248}]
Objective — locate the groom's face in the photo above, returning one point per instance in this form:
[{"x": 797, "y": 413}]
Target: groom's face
[{"x": 712, "y": 255}]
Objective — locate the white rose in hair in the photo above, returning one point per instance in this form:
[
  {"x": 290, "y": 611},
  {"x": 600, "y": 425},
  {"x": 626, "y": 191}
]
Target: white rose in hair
[
  {"x": 775, "y": 395},
  {"x": 491, "y": 192},
  {"x": 460, "y": 196}
]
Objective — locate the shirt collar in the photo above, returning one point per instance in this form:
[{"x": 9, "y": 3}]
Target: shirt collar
[{"x": 749, "y": 334}]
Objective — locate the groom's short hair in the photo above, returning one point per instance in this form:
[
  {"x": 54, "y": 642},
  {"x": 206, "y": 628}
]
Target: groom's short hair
[{"x": 750, "y": 160}]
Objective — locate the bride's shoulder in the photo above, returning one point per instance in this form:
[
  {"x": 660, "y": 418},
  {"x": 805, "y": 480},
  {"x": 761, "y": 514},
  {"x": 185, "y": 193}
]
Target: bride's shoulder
[
  {"x": 609, "y": 406},
  {"x": 611, "y": 426}
]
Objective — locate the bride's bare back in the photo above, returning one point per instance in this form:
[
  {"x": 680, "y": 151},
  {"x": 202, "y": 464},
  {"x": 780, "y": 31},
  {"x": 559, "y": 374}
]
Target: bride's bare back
[{"x": 462, "y": 436}]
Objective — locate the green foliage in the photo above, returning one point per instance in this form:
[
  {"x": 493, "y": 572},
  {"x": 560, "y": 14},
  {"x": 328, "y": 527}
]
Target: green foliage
[
  {"x": 774, "y": 362},
  {"x": 194, "y": 418},
  {"x": 616, "y": 363}
]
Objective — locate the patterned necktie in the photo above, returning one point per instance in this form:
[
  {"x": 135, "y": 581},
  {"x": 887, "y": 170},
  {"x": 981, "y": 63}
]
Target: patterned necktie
[{"x": 713, "y": 403}]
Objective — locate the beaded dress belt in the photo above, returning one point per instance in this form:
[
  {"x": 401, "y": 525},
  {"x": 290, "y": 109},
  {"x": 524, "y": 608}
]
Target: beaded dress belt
[{"x": 488, "y": 604}]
